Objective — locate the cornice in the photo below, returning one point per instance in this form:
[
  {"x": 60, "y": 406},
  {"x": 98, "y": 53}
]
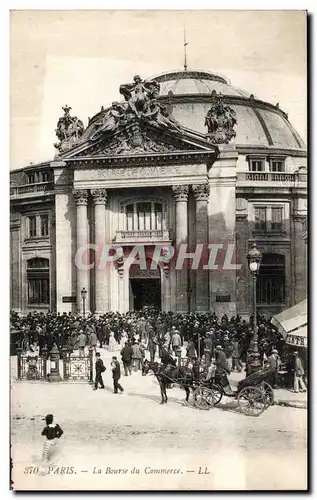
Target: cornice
[
  {"x": 269, "y": 151},
  {"x": 176, "y": 158},
  {"x": 230, "y": 99}
]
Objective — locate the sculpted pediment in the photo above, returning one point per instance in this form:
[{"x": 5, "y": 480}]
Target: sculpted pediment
[
  {"x": 139, "y": 125},
  {"x": 136, "y": 140}
]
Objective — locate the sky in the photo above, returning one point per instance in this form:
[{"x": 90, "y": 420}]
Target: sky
[{"x": 80, "y": 58}]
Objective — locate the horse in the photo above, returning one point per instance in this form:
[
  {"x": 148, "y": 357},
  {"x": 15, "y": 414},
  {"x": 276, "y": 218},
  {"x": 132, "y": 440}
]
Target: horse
[{"x": 167, "y": 374}]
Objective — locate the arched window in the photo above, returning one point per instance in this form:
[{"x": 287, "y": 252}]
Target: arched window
[
  {"x": 38, "y": 280},
  {"x": 271, "y": 279},
  {"x": 146, "y": 215}
]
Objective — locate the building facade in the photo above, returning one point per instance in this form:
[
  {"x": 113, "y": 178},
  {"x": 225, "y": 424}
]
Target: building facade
[{"x": 185, "y": 162}]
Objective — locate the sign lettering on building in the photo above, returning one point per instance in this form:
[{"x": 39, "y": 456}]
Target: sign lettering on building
[
  {"x": 141, "y": 172},
  {"x": 223, "y": 298},
  {"x": 67, "y": 300},
  {"x": 296, "y": 340}
]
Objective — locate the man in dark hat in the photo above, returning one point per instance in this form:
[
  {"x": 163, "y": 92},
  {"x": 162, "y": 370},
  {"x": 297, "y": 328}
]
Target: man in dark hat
[
  {"x": 126, "y": 356},
  {"x": 116, "y": 375},
  {"x": 222, "y": 369},
  {"x": 100, "y": 368}
]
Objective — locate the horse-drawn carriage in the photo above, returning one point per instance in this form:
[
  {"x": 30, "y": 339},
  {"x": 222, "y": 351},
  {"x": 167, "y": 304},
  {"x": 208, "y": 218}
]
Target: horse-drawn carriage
[{"x": 254, "y": 393}]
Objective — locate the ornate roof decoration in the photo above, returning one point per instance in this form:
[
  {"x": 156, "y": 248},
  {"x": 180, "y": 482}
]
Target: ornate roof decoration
[
  {"x": 138, "y": 139},
  {"x": 133, "y": 139},
  {"x": 140, "y": 105},
  {"x": 69, "y": 130},
  {"x": 220, "y": 121}
]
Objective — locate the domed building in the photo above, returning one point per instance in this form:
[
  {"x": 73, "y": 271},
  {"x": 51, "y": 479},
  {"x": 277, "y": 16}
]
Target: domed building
[{"x": 157, "y": 202}]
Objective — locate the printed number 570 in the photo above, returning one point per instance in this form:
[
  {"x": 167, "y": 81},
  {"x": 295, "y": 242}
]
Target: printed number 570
[{"x": 31, "y": 470}]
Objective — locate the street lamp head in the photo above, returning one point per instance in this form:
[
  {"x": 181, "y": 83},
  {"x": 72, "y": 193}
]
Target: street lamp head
[
  {"x": 254, "y": 259},
  {"x": 84, "y": 293}
]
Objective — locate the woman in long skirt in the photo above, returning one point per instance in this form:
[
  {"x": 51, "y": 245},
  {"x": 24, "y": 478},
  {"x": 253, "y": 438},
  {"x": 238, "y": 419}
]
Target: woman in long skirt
[{"x": 112, "y": 343}]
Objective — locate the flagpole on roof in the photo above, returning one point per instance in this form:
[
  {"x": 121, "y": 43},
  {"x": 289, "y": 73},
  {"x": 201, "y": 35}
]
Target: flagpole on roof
[{"x": 185, "y": 50}]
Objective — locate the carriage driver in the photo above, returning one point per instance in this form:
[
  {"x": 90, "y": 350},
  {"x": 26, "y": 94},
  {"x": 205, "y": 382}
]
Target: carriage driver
[
  {"x": 169, "y": 363},
  {"x": 222, "y": 369}
]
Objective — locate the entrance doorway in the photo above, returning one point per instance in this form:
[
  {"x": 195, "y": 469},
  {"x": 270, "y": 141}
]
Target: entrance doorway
[
  {"x": 145, "y": 288},
  {"x": 146, "y": 293}
]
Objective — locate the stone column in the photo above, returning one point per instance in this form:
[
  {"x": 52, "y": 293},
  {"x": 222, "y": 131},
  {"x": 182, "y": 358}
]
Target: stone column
[
  {"x": 201, "y": 192},
  {"x": 100, "y": 200},
  {"x": 181, "y": 197},
  {"x": 300, "y": 259},
  {"x": 222, "y": 230},
  {"x": 81, "y": 200},
  {"x": 63, "y": 263}
]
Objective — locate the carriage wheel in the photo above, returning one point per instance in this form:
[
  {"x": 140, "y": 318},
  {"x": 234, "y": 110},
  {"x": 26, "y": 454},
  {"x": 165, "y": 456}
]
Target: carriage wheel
[
  {"x": 203, "y": 398},
  {"x": 268, "y": 394},
  {"x": 217, "y": 393},
  {"x": 252, "y": 401}
]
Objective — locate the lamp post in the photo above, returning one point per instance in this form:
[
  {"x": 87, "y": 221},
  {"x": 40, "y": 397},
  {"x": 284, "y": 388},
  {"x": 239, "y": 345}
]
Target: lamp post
[
  {"x": 254, "y": 261},
  {"x": 83, "y": 296}
]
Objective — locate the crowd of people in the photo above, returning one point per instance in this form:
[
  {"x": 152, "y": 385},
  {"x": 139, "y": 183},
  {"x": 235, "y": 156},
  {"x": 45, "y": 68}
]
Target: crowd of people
[{"x": 134, "y": 332}]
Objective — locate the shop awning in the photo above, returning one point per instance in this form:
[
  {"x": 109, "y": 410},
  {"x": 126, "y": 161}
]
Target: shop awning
[
  {"x": 297, "y": 337},
  {"x": 292, "y": 324}
]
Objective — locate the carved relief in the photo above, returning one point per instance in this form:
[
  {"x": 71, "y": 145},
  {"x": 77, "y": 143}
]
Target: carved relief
[
  {"x": 241, "y": 204},
  {"x": 220, "y": 121},
  {"x": 180, "y": 193},
  {"x": 167, "y": 256},
  {"x": 140, "y": 105},
  {"x": 131, "y": 140},
  {"x": 99, "y": 196},
  {"x": 201, "y": 192},
  {"x": 69, "y": 130},
  {"x": 80, "y": 196}
]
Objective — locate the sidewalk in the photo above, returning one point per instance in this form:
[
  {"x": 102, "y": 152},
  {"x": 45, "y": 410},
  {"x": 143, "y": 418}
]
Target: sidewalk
[{"x": 282, "y": 397}]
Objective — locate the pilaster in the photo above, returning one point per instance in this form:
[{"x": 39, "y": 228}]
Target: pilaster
[
  {"x": 222, "y": 230},
  {"x": 201, "y": 193},
  {"x": 81, "y": 199},
  {"x": 181, "y": 197},
  {"x": 65, "y": 237},
  {"x": 99, "y": 197}
]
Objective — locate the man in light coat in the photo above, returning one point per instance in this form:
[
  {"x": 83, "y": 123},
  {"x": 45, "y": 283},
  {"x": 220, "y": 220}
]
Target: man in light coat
[
  {"x": 298, "y": 374},
  {"x": 81, "y": 343},
  {"x": 176, "y": 341},
  {"x": 93, "y": 341},
  {"x": 136, "y": 357},
  {"x": 273, "y": 363}
]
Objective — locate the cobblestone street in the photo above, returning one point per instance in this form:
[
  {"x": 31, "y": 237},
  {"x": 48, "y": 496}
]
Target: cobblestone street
[{"x": 121, "y": 431}]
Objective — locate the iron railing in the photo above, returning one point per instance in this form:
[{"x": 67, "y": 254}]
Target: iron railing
[
  {"x": 39, "y": 187},
  {"x": 140, "y": 235},
  {"x": 266, "y": 177}
]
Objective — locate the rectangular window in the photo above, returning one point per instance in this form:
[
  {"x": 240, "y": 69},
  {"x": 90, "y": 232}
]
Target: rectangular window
[
  {"x": 31, "y": 178},
  {"x": 277, "y": 165},
  {"x": 260, "y": 218},
  {"x": 277, "y": 219},
  {"x": 158, "y": 215},
  {"x": 38, "y": 291},
  {"x": 44, "y": 225},
  {"x": 256, "y": 166},
  {"x": 144, "y": 215},
  {"x": 32, "y": 226},
  {"x": 44, "y": 177},
  {"x": 130, "y": 217}
]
